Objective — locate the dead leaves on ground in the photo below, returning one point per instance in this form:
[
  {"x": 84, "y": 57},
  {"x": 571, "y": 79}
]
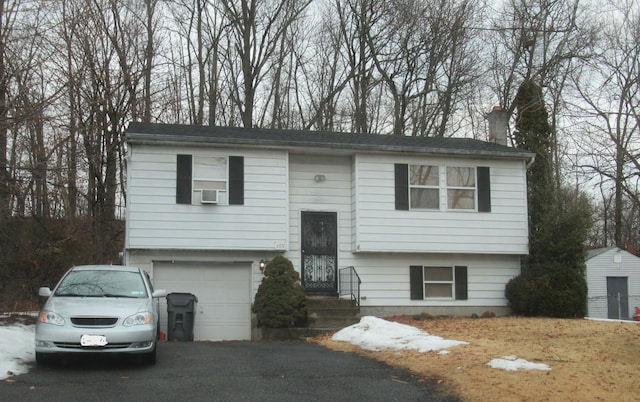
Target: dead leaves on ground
[{"x": 590, "y": 360}]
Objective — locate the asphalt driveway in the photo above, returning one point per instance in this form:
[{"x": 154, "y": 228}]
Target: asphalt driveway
[{"x": 225, "y": 371}]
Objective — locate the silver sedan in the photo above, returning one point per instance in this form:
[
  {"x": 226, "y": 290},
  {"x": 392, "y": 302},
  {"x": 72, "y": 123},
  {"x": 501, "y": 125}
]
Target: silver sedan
[{"x": 99, "y": 309}]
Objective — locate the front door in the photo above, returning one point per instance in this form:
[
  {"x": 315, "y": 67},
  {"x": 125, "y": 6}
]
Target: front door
[
  {"x": 617, "y": 298},
  {"x": 319, "y": 252}
]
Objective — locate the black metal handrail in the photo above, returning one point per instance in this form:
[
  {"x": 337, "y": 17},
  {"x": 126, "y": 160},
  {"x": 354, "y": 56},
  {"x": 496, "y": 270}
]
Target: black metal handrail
[{"x": 349, "y": 284}]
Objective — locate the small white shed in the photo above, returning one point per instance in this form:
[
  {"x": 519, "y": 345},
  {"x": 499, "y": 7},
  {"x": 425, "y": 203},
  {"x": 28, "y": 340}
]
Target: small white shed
[{"x": 613, "y": 278}]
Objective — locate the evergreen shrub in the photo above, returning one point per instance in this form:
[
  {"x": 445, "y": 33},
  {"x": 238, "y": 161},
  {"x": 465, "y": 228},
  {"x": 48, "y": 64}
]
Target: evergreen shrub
[
  {"x": 550, "y": 290},
  {"x": 280, "y": 300}
]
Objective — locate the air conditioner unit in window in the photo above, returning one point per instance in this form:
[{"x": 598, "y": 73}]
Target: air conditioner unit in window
[{"x": 208, "y": 196}]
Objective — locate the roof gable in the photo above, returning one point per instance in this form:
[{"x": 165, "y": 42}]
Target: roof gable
[{"x": 609, "y": 250}]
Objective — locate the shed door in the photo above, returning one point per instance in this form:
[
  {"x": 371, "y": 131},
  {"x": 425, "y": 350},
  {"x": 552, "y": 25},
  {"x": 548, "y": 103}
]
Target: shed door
[
  {"x": 319, "y": 252},
  {"x": 617, "y": 298}
]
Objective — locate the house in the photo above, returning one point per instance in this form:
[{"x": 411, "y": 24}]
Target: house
[
  {"x": 613, "y": 279},
  {"x": 435, "y": 225}
]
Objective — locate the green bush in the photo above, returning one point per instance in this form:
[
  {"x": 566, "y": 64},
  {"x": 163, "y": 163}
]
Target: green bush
[
  {"x": 552, "y": 290},
  {"x": 280, "y": 300}
]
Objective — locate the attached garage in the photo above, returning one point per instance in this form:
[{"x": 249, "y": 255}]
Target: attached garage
[{"x": 223, "y": 311}]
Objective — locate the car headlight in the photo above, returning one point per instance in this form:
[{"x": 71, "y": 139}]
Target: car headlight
[
  {"x": 138, "y": 319},
  {"x": 49, "y": 317}
]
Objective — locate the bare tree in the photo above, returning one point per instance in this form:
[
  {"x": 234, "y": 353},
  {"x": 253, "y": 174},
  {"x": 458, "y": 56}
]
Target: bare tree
[
  {"x": 193, "y": 14},
  {"x": 149, "y": 54},
  {"x": 8, "y": 10},
  {"x": 323, "y": 76},
  {"x": 257, "y": 27},
  {"x": 99, "y": 61},
  {"x": 358, "y": 21},
  {"x": 284, "y": 63},
  {"x": 68, "y": 30},
  {"x": 536, "y": 40},
  {"x": 198, "y": 61},
  {"x": 423, "y": 56},
  {"x": 610, "y": 88}
]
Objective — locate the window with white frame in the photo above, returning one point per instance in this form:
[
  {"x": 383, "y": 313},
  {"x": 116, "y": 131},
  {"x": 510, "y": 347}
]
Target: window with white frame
[
  {"x": 450, "y": 187},
  {"x": 439, "y": 282},
  {"x": 210, "y": 173},
  {"x": 461, "y": 187},
  {"x": 424, "y": 182},
  {"x": 425, "y": 189}
]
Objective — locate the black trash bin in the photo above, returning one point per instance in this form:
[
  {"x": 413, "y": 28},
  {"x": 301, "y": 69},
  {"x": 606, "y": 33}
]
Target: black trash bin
[{"x": 181, "y": 313}]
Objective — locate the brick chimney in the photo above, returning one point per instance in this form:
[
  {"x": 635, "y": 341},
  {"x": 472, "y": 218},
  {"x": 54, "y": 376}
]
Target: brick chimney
[{"x": 498, "y": 125}]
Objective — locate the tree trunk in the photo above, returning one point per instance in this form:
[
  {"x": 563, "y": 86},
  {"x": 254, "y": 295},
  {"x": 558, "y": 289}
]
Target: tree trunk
[
  {"x": 4, "y": 123},
  {"x": 148, "y": 59}
]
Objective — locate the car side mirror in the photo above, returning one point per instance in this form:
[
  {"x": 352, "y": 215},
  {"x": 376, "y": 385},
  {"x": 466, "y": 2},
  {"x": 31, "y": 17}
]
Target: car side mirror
[
  {"x": 44, "y": 292},
  {"x": 159, "y": 293}
]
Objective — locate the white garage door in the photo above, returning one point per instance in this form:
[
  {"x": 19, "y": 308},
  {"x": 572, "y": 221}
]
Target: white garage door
[{"x": 223, "y": 311}]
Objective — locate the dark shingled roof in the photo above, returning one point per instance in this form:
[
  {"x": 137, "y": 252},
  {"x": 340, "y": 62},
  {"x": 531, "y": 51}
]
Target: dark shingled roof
[{"x": 155, "y": 133}]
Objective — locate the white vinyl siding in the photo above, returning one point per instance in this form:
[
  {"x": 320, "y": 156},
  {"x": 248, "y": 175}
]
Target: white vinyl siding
[
  {"x": 380, "y": 227},
  {"x": 333, "y": 194},
  {"x": 378, "y": 240},
  {"x": 385, "y": 278},
  {"x": 155, "y": 221}
]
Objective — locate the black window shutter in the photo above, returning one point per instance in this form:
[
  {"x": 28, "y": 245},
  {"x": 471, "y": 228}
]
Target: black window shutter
[
  {"x": 461, "y": 283},
  {"x": 236, "y": 180},
  {"x": 417, "y": 282},
  {"x": 484, "y": 189},
  {"x": 183, "y": 179},
  {"x": 402, "y": 186}
]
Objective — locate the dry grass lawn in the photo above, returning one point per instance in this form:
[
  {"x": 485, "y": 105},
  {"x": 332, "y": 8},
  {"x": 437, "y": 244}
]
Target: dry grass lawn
[{"x": 589, "y": 360}]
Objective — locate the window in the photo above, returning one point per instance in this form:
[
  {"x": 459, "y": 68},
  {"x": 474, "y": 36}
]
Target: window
[
  {"x": 438, "y": 282},
  {"x": 461, "y": 188},
  {"x": 101, "y": 283},
  {"x": 424, "y": 181},
  {"x": 210, "y": 173},
  {"x": 217, "y": 173},
  {"x": 423, "y": 186}
]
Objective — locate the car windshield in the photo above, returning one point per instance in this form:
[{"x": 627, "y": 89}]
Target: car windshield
[{"x": 102, "y": 283}]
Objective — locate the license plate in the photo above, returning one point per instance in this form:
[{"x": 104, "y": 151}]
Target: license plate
[{"x": 93, "y": 340}]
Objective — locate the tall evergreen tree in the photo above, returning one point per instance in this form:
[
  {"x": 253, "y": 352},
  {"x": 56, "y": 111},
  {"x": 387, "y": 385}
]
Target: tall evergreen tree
[
  {"x": 534, "y": 134},
  {"x": 552, "y": 282}
]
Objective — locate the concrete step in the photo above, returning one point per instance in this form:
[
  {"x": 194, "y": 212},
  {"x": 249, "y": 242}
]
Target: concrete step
[
  {"x": 330, "y": 302},
  {"x": 331, "y": 314}
]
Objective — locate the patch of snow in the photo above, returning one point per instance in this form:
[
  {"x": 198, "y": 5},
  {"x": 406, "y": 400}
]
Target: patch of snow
[
  {"x": 373, "y": 333},
  {"x": 17, "y": 349},
  {"x": 513, "y": 363}
]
